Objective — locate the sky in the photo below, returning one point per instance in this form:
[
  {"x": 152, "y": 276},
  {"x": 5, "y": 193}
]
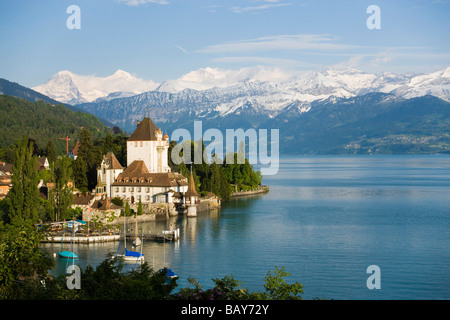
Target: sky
[{"x": 164, "y": 39}]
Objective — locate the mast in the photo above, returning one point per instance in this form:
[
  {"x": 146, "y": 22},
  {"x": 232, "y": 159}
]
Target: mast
[{"x": 124, "y": 228}]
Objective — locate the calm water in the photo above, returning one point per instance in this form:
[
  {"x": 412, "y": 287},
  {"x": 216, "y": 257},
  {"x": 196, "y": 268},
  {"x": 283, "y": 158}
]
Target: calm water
[{"x": 325, "y": 219}]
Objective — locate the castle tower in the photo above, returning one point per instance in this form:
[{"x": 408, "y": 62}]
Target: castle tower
[
  {"x": 148, "y": 144},
  {"x": 108, "y": 171},
  {"x": 191, "y": 198}
]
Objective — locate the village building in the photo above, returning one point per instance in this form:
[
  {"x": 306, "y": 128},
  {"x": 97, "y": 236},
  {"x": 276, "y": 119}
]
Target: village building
[
  {"x": 109, "y": 170},
  {"x": 43, "y": 163},
  {"x": 6, "y": 171},
  {"x": 5, "y": 185},
  {"x": 74, "y": 152},
  {"x": 5, "y": 179},
  {"x": 84, "y": 201}
]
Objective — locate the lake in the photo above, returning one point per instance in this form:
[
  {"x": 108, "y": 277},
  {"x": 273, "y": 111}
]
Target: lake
[{"x": 326, "y": 219}]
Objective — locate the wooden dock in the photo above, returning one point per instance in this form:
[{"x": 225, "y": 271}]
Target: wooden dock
[
  {"x": 166, "y": 235},
  {"x": 171, "y": 235},
  {"x": 81, "y": 238}
]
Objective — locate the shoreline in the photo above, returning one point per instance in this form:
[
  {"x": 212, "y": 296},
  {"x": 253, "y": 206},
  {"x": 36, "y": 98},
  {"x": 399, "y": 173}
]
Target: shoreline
[
  {"x": 203, "y": 205},
  {"x": 259, "y": 190}
]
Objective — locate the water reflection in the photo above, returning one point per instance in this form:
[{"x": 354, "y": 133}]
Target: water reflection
[{"x": 325, "y": 219}]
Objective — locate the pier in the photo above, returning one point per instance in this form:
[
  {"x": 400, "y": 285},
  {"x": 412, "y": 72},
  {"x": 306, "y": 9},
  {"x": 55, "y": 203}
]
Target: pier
[
  {"x": 166, "y": 235},
  {"x": 259, "y": 190},
  {"x": 81, "y": 238}
]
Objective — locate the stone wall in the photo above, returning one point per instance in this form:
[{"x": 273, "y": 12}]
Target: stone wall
[{"x": 262, "y": 189}]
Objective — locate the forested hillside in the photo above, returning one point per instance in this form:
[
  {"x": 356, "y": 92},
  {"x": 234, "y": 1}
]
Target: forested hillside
[{"x": 44, "y": 122}]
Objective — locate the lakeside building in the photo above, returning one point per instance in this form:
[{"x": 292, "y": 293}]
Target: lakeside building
[
  {"x": 6, "y": 172},
  {"x": 147, "y": 176}
]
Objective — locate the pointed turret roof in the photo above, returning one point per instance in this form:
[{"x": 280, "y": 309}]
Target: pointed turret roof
[
  {"x": 191, "y": 192},
  {"x": 99, "y": 181},
  {"x": 113, "y": 162},
  {"x": 145, "y": 131}
]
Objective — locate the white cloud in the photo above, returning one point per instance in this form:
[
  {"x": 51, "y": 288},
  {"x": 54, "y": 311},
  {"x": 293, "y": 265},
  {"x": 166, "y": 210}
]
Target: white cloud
[
  {"x": 253, "y": 9},
  {"x": 282, "y": 42},
  {"x": 267, "y": 61},
  {"x": 181, "y": 48},
  {"x": 139, "y": 2}
]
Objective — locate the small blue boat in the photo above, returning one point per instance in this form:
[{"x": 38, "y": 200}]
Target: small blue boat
[
  {"x": 133, "y": 256},
  {"x": 67, "y": 254},
  {"x": 170, "y": 274}
]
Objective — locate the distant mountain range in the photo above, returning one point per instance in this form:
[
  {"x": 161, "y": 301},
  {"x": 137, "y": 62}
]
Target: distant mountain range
[
  {"x": 324, "y": 111},
  {"x": 273, "y": 89}
]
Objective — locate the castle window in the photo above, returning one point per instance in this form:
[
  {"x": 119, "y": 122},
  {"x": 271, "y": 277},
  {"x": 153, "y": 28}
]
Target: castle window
[
  {"x": 131, "y": 189},
  {"x": 138, "y": 189}
]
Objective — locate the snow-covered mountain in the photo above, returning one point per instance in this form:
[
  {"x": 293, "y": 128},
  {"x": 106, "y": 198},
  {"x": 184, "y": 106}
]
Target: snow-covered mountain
[
  {"x": 211, "y": 93},
  {"x": 71, "y": 88},
  {"x": 208, "y": 78}
]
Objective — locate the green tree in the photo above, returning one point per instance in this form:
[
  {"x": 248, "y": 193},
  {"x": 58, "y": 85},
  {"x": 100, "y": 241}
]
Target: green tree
[
  {"x": 23, "y": 198},
  {"x": 92, "y": 156},
  {"x": 218, "y": 182},
  {"x": 21, "y": 260},
  {"x": 139, "y": 209},
  {"x": 117, "y": 201},
  {"x": 127, "y": 209},
  {"x": 79, "y": 169},
  {"x": 278, "y": 289},
  {"x": 109, "y": 282},
  {"x": 60, "y": 196},
  {"x": 50, "y": 153}
]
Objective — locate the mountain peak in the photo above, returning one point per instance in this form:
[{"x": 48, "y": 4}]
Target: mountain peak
[
  {"x": 68, "y": 87},
  {"x": 121, "y": 74}
]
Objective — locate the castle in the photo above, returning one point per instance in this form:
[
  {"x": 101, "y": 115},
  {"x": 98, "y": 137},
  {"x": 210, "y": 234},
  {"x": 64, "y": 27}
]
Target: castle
[{"x": 147, "y": 176}]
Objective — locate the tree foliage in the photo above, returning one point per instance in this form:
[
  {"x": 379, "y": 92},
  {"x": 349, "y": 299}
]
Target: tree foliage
[
  {"x": 216, "y": 176},
  {"x": 22, "y": 261},
  {"x": 60, "y": 195},
  {"x": 23, "y": 198},
  {"x": 44, "y": 122}
]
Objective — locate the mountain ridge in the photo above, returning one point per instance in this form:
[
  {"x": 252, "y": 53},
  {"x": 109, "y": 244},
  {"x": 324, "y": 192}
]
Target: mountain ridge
[{"x": 305, "y": 86}]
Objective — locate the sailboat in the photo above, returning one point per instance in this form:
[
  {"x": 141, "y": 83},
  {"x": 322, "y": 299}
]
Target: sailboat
[
  {"x": 137, "y": 241},
  {"x": 133, "y": 256},
  {"x": 65, "y": 253},
  {"x": 170, "y": 273}
]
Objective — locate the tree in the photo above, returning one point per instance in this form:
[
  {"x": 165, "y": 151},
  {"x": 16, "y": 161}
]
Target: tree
[
  {"x": 92, "y": 157},
  {"x": 127, "y": 209},
  {"x": 139, "y": 209},
  {"x": 60, "y": 196},
  {"x": 79, "y": 169},
  {"x": 109, "y": 282},
  {"x": 22, "y": 260},
  {"x": 278, "y": 289},
  {"x": 116, "y": 130},
  {"x": 218, "y": 182},
  {"x": 117, "y": 201},
  {"x": 23, "y": 198},
  {"x": 50, "y": 153}
]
